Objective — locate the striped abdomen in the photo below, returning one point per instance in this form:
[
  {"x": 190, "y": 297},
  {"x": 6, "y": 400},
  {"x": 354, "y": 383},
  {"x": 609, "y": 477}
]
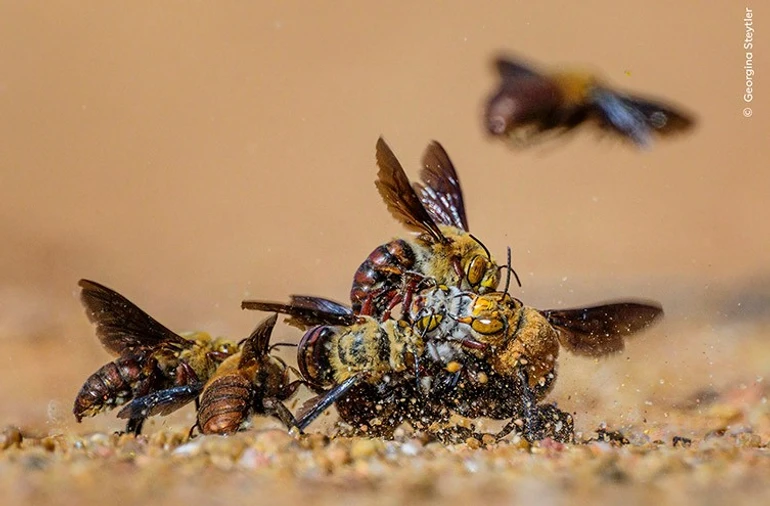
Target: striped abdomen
[
  {"x": 380, "y": 274},
  {"x": 225, "y": 404},
  {"x": 114, "y": 384}
]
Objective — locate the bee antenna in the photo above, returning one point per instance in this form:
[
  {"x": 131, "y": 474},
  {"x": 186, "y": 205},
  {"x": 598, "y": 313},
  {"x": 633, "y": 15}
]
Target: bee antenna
[
  {"x": 489, "y": 255},
  {"x": 275, "y": 345},
  {"x": 510, "y": 270}
]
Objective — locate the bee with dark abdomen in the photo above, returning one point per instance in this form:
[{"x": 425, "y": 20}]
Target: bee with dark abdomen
[
  {"x": 506, "y": 353},
  {"x": 150, "y": 356},
  {"x": 248, "y": 382},
  {"x": 363, "y": 366},
  {"x": 444, "y": 250},
  {"x": 528, "y": 104}
]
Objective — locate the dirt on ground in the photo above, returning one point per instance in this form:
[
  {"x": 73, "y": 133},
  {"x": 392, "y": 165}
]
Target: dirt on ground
[{"x": 652, "y": 425}]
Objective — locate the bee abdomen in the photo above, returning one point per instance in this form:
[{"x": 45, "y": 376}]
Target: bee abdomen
[
  {"x": 384, "y": 266},
  {"x": 109, "y": 387},
  {"x": 225, "y": 404},
  {"x": 313, "y": 356}
]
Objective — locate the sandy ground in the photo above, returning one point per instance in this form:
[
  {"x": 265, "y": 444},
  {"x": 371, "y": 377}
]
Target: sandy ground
[
  {"x": 194, "y": 154},
  {"x": 702, "y": 383}
]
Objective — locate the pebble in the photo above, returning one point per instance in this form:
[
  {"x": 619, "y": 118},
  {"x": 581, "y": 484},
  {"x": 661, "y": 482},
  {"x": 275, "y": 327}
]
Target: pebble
[
  {"x": 365, "y": 448},
  {"x": 747, "y": 440},
  {"x": 11, "y": 436}
]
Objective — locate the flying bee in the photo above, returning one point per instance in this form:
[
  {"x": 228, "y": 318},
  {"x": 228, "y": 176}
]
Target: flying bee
[
  {"x": 150, "y": 356},
  {"x": 444, "y": 250},
  {"x": 528, "y": 104},
  {"x": 361, "y": 365},
  {"x": 505, "y": 353},
  {"x": 249, "y": 382}
]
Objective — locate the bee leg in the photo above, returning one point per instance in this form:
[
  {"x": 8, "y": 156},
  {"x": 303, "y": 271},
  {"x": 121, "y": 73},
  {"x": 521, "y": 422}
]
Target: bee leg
[
  {"x": 558, "y": 425},
  {"x": 327, "y": 400},
  {"x": 394, "y": 300},
  {"x": 412, "y": 282},
  {"x": 134, "y": 426},
  {"x": 277, "y": 408},
  {"x": 530, "y": 412},
  {"x": 289, "y": 390},
  {"x": 370, "y": 305},
  {"x": 185, "y": 374},
  {"x": 190, "y": 434}
]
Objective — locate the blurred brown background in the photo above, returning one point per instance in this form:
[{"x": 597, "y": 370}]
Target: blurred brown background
[{"x": 192, "y": 154}]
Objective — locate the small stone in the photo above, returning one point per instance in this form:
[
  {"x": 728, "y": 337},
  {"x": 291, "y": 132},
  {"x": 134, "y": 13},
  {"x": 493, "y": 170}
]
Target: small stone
[
  {"x": 190, "y": 449},
  {"x": 488, "y": 439},
  {"x": 453, "y": 366},
  {"x": 748, "y": 440},
  {"x": 11, "y": 436},
  {"x": 473, "y": 443},
  {"x": 364, "y": 448},
  {"x": 411, "y": 448}
]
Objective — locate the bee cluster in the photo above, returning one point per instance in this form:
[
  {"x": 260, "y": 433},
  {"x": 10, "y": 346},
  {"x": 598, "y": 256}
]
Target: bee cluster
[{"x": 427, "y": 336}]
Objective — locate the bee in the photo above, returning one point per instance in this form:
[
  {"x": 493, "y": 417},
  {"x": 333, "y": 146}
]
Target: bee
[
  {"x": 528, "y": 104},
  {"x": 444, "y": 250},
  {"x": 356, "y": 362},
  {"x": 249, "y": 382},
  {"x": 510, "y": 365},
  {"x": 150, "y": 356}
]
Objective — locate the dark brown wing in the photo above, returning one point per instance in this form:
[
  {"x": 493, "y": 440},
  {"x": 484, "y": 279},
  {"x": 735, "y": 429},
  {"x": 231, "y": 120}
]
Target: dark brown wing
[
  {"x": 600, "y": 330},
  {"x": 162, "y": 402},
  {"x": 257, "y": 344},
  {"x": 306, "y": 311},
  {"x": 401, "y": 199},
  {"x": 120, "y": 325},
  {"x": 510, "y": 69},
  {"x": 440, "y": 192}
]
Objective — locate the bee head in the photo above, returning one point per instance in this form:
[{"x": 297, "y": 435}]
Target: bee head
[
  {"x": 224, "y": 346},
  {"x": 481, "y": 272},
  {"x": 492, "y": 316}
]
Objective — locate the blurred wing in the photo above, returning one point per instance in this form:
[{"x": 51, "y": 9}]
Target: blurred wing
[
  {"x": 401, "y": 199},
  {"x": 306, "y": 311},
  {"x": 257, "y": 344},
  {"x": 622, "y": 116},
  {"x": 510, "y": 69},
  {"x": 440, "y": 194},
  {"x": 663, "y": 119},
  {"x": 600, "y": 330},
  {"x": 162, "y": 402},
  {"x": 120, "y": 325}
]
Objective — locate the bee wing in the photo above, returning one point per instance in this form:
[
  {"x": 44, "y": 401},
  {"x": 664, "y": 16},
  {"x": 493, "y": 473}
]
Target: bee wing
[
  {"x": 509, "y": 69},
  {"x": 600, "y": 330},
  {"x": 120, "y": 325},
  {"x": 306, "y": 311},
  {"x": 440, "y": 194},
  {"x": 401, "y": 199},
  {"x": 662, "y": 118},
  {"x": 257, "y": 344},
  {"x": 162, "y": 402},
  {"x": 618, "y": 114}
]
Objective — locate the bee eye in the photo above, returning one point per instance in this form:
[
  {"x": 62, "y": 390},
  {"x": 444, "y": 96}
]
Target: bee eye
[
  {"x": 476, "y": 269},
  {"x": 488, "y": 326},
  {"x": 429, "y": 323}
]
